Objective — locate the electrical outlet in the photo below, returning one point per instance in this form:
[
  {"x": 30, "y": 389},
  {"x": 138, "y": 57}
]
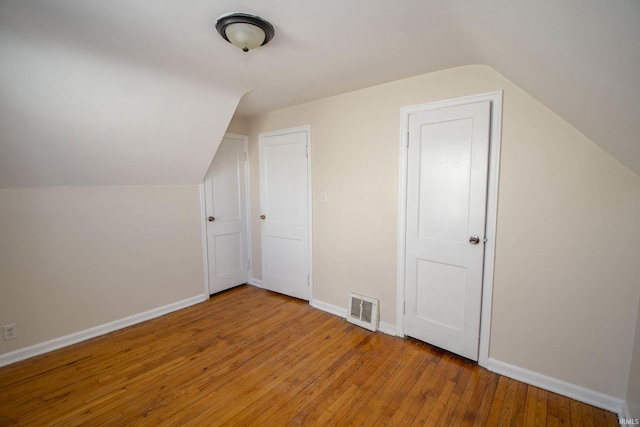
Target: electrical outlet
[{"x": 10, "y": 332}]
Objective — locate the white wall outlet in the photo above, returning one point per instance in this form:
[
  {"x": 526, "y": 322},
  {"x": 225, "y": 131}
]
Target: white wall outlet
[{"x": 10, "y": 331}]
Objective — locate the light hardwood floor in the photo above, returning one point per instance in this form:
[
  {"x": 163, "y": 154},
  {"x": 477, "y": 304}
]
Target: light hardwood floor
[{"x": 251, "y": 357}]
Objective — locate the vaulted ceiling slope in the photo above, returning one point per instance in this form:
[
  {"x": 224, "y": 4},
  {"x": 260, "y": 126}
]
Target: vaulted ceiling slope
[{"x": 140, "y": 92}]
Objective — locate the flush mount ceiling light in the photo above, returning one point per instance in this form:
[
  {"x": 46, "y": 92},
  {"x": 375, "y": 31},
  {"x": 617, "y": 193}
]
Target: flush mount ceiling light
[{"x": 244, "y": 31}]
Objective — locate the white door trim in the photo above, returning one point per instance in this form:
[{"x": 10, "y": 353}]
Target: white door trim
[
  {"x": 203, "y": 214},
  {"x": 492, "y": 209},
  {"x": 205, "y": 249},
  {"x": 307, "y": 130}
]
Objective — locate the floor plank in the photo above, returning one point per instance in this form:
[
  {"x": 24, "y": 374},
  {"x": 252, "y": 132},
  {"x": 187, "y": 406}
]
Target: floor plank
[{"x": 251, "y": 357}]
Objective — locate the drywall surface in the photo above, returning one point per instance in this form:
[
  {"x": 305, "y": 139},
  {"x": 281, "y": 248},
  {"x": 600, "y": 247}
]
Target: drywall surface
[
  {"x": 238, "y": 125},
  {"x": 72, "y": 258},
  {"x": 75, "y": 117},
  {"x": 565, "y": 287}
]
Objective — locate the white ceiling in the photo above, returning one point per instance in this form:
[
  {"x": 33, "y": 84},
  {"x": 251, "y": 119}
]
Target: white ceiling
[{"x": 139, "y": 92}]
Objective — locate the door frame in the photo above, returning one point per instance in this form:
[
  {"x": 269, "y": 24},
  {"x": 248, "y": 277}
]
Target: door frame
[
  {"x": 307, "y": 130},
  {"x": 203, "y": 212},
  {"x": 492, "y": 209}
]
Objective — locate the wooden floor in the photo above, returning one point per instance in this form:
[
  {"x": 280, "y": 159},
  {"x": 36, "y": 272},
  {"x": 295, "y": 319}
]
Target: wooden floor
[{"x": 251, "y": 357}]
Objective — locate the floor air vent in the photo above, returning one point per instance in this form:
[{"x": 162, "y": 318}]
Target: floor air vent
[{"x": 363, "y": 311}]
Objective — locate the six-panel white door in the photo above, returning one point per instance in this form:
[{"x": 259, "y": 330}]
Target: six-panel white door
[
  {"x": 225, "y": 187},
  {"x": 446, "y": 208},
  {"x": 284, "y": 208}
]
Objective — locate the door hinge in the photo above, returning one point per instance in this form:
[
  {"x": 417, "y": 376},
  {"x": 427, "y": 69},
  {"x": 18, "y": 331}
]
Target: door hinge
[
  {"x": 307, "y": 150},
  {"x": 245, "y": 156},
  {"x": 308, "y": 280},
  {"x": 407, "y": 139},
  {"x": 404, "y": 310},
  {"x": 248, "y": 264}
]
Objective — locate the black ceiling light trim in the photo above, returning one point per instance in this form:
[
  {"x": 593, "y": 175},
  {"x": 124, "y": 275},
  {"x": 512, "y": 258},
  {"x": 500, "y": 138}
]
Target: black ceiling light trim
[{"x": 244, "y": 18}]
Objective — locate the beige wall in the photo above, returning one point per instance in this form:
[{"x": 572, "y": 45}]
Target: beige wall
[
  {"x": 566, "y": 280},
  {"x": 72, "y": 258},
  {"x": 565, "y": 290},
  {"x": 238, "y": 125}
]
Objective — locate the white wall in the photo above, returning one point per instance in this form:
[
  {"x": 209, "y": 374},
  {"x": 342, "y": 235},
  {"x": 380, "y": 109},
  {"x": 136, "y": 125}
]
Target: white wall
[
  {"x": 72, "y": 258},
  {"x": 77, "y": 117},
  {"x": 565, "y": 289}
]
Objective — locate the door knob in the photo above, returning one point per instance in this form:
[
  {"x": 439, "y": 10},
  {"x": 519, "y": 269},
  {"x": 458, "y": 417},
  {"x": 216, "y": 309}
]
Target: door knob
[
  {"x": 474, "y": 240},
  {"x": 211, "y": 219},
  {"x": 262, "y": 217}
]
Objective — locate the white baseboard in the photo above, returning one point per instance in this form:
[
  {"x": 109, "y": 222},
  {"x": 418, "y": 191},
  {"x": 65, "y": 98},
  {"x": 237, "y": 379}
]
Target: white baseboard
[
  {"x": 592, "y": 397},
  {"x": 342, "y": 312},
  {"x": 329, "y": 308},
  {"x": 76, "y": 337},
  {"x": 625, "y": 413},
  {"x": 255, "y": 282},
  {"x": 388, "y": 328},
  {"x": 582, "y": 394}
]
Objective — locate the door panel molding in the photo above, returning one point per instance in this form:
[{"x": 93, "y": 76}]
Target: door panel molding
[
  {"x": 306, "y": 129},
  {"x": 224, "y": 226},
  {"x": 495, "y": 98}
]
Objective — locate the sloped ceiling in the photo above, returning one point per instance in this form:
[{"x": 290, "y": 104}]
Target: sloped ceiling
[{"x": 139, "y": 92}]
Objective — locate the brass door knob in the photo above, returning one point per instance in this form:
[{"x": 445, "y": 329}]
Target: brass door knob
[{"x": 262, "y": 217}]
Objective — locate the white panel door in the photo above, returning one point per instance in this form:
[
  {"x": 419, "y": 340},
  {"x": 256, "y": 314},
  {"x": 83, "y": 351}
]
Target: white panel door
[
  {"x": 227, "y": 223},
  {"x": 284, "y": 208},
  {"x": 446, "y": 208}
]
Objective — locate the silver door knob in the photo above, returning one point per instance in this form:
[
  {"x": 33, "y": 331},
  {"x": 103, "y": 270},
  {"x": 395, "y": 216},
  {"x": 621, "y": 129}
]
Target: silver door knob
[
  {"x": 474, "y": 240},
  {"x": 211, "y": 219}
]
